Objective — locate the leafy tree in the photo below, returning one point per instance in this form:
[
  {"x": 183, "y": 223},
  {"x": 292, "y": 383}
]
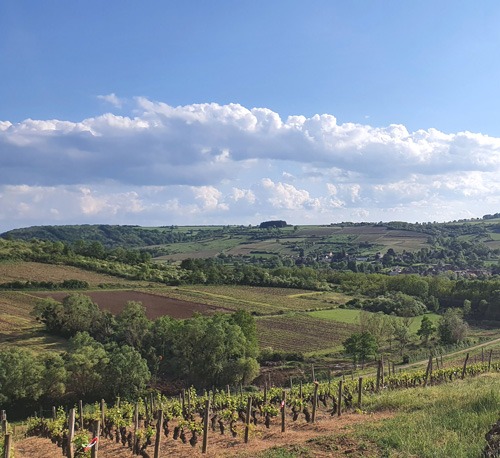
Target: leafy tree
[
  {"x": 53, "y": 383},
  {"x": 21, "y": 372},
  {"x": 427, "y": 328},
  {"x": 132, "y": 325},
  {"x": 401, "y": 332},
  {"x": 127, "y": 373},
  {"x": 249, "y": 328},
  {"x": 377, "y": 324},
  {"x": 360, "y": 346},
  {"x": 452, "y": 328},
  {"x": 86, "y": 363}
]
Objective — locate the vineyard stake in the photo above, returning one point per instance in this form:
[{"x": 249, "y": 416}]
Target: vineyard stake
[
  {"x": 265, "y": 393},
  {"x": 54, "y": 413},
  {"x": 382, "y": 371},
  {"x": 80, "y": 413},
  {"x": 103, "y": 406},
  {"x": 300, "y": 390},
  {"x": 96, "y": 431},
  {"x": 205, "y": 426},
  {"x": 428, "y": 371},
  {"x": 339, "y": 404},
  {"x": 482, "y": 354},
  {"x": 136, "y": 421},
  {"x": 465, "y": 366},
  {"x": 313, "y": 376},
  {"x": 377, "y": 387},
  {"x": 315, "y": 401},
  {"x": 159, "y": 427},
  {"x": 6, "y": 445},
  {"x": 71, "y": 432},
  {"x": 489, "y": 360},
  {"x": 247, "y": 418},
  {"x": 329, "y": 381},
  {"x": 360, "y": 391},
  {"x": 4, "y": 426},
  {"x": 283, "y": 407}
]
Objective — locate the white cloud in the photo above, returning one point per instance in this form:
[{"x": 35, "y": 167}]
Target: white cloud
[
  {"x": 112, "y": 99},
  {"x": 213, "y": 162}
]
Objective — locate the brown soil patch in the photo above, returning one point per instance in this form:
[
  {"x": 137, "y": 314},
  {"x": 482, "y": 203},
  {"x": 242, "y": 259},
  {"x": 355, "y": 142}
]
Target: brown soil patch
[
  {"x": 36, "y": 271},
  {"x": 329, "y": 437},
  {"x": 156, "y": 306}
]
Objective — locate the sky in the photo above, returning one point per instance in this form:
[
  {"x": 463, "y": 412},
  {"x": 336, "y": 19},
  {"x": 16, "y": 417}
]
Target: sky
[{"x": 236, "y": 112}]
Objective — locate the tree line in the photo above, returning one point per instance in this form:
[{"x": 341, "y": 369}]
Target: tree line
[{"x": 123, "y": 354}]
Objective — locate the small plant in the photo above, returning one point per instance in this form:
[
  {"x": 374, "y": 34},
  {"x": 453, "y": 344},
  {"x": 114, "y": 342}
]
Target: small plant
[{"x": 81, "y": 441}]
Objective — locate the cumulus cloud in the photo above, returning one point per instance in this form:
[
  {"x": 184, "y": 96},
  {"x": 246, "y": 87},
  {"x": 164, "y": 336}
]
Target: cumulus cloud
[{"x": 214, "y": 161}]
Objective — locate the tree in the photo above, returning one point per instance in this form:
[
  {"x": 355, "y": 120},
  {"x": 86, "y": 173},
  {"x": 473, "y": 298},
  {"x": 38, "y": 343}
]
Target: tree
[
  {"x": 133, "y": 325},
  {"x": 127, "y": 373},
  {"x": 21, "y": 372},
  {"x": 86, "y": 363},
  {"x": 401, "y": 332},
  {"x": 426, "y": 330},
  {"x": 452, "y": 328},
  {"x": 360, "y": 346}
]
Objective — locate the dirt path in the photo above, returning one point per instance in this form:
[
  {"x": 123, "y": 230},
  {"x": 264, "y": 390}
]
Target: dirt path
[{"x": 329, "y": 436}]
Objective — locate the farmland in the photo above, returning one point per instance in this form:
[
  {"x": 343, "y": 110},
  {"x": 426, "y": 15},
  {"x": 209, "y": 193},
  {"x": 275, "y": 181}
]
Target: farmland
[
  {"x": 36, "y": 271},
  {"x": 302, "y": 333},
  {"x": 155, "y": 305}
]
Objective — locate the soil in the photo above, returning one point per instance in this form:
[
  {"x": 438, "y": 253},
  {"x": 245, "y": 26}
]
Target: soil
[
  {"x": 328, "y": 437},
  {"x": 156, "y": 306}
]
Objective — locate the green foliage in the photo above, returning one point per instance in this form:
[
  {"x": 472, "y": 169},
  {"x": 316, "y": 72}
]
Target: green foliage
[
  {"x": 360, "y": 346},
  {"x": 452, "y": 328},
  {"x": 427, "y": 328},
  {"x": 20, "y": 375},
  {"x": 397, "y": 303}
]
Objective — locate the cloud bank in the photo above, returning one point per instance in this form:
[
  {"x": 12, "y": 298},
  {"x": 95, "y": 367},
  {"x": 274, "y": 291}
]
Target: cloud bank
[{"x": 210, "y": 163}]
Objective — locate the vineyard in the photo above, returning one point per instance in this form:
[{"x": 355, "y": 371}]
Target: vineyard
[{"x": 193, "y": 422}]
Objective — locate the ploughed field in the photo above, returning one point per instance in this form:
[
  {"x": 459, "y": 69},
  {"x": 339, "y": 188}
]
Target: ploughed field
[{"x": 155, "y": 305}]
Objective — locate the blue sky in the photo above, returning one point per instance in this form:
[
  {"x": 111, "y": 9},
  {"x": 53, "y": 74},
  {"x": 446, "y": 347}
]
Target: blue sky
[{"x": 209, "y": 112}]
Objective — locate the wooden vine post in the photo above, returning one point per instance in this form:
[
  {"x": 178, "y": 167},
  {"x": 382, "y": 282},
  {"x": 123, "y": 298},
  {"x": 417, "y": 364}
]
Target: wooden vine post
[
  {"x": 247, "y": 418},
  {"x": 339, "y": 403},
  {"x": 315, "y": 401},
  {"x": 489, "y": 360},
  {"x": 283, "y": 408},
  {"x": 80, "y": 413},
  {"x": 95, "y": 434},
  {"x": 377, "y": 387},
  {"x": 103, "y": 416},
  {"x": 360, "y": 391},
  {"x": 136, "y": 421},
  {"x": 71, "y": 432},
  {"x": 428, "y": 371},
  {"x": 159, "y": 428},
  {"x": 382, "y": 381},
  {"x": 465, "y": 365},
  {"x": 206, "y": 419},
  {"x": 7, "y": 446}
]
